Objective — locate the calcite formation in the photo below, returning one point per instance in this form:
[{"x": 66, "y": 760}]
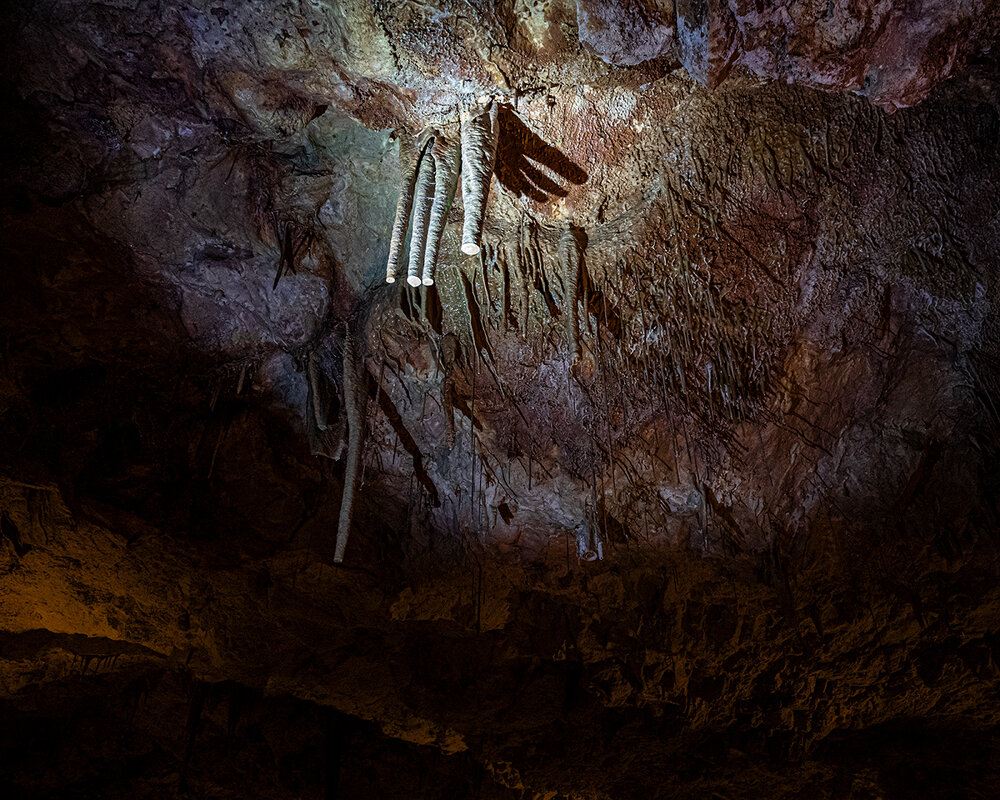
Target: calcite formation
[
  {"x": 423, "y": 204},
  {"x": 447, "y": 157},
  {"x": 570, "y": 262},
  {"x": 479, "y": 147},
  {"x": 667, "y": 466},
  {"x": 409, "y": 165}
]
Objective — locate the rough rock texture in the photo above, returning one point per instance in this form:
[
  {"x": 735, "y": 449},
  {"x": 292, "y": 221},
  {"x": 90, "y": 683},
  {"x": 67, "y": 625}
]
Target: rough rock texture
[
  {"x": 739, "y": 541},
  {"x": 892, "y": 51}
]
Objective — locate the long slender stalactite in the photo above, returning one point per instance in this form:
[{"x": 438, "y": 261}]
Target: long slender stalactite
[
  {"x": 422, "y": 203},
  {"x": 315, "y": 395},
  {"x": 479, "y": 146},
  {"x": 354, "y": 407},
  {"x": 409, "y": 163},
  {"x": 447, "y": 157},
  {"x": 569, "y": 258}
]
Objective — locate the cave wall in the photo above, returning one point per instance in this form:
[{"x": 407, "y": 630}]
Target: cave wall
[{"x": 735, "y": 534}]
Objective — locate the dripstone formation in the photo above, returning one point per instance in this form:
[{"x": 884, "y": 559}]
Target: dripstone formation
[{"x": 567, "y": 400}]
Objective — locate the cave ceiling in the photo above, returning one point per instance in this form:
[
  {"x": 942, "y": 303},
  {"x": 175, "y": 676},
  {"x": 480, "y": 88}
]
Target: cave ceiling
[{"x": 683, "y": 485}]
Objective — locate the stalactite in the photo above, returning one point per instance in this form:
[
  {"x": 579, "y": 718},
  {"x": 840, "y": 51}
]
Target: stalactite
[
  {"x": 449, "y": 353},
  {"x": 523, "y": 282},
  {"x": 193, "y": 728},
  {"x": 354, "y": 408},
  {"x": 569, "y": 260},
  {"x": 422, "y": 202},
  {"x": 315, "y": 396},
  {"x": 409, "y": 163},
  {"x": 447, "y": 157},
  {"x": 589, "y": 546},
  {"x": 479, "y": 145}
]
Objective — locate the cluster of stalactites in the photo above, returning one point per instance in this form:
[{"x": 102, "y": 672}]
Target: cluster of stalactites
[{"x": 430, "y": 169}]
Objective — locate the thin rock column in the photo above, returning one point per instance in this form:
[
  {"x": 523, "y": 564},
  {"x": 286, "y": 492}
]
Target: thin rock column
[{"x": 422, "y": 203}]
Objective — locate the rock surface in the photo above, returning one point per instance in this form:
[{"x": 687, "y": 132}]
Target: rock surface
[{"x": 730, "y": 532}]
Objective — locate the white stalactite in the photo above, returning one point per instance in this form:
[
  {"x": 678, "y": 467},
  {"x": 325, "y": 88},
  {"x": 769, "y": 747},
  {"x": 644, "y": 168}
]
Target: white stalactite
[
  {"x": 479, "y": 147},
  {"x": 422, "y": 202},
  {"x": 409, "y": 162},
  {"x": 589, "y": 546},
  {"x": 447, "y": 157}
]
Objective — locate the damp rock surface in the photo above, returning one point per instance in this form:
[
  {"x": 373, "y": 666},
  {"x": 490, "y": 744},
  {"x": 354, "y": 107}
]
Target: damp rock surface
[{"x": 684, "y": 486}]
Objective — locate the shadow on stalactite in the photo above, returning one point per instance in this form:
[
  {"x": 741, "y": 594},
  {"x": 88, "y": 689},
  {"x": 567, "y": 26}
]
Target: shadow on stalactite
[{"x": 517, "y": 147}]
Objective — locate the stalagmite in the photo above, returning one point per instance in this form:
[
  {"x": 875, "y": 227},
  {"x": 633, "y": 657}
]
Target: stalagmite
[
  {"x": 447, "y": 156},
  {"x": 422, "y": 202},
  {"x": 569, "y": 259},
  {"x": 409, "y": 163},
  {"x": 479, "y": 146},
  {"x": 354, "y": 407}
]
